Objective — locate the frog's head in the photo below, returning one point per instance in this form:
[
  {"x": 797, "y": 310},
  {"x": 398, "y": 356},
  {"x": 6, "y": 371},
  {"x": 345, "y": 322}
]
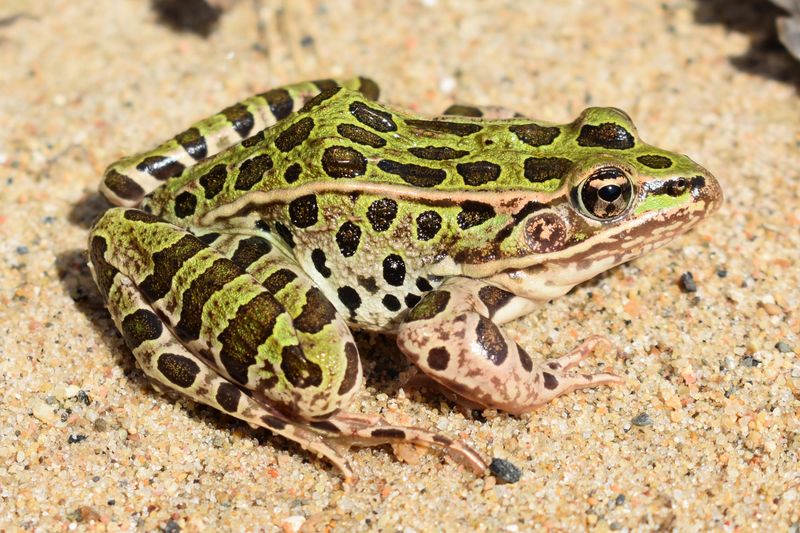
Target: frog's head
[{"x": 619, "y": 198}]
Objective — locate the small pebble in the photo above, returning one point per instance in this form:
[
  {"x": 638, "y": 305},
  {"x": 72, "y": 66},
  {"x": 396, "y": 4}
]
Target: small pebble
[
  {"x": 620, "y": 499},
  {"x": 687, "y": 282},
  {"x": 784, "y": 347},
  {"x": 44, "y": 412},
  {"x": 83, "y": 397},
  {"x": 22, "y": 250},
  {"x": 641, "y": 420},
  {"x": 76, "y": 437},
  {"x": 171, "y": 527},
  {"x": 722, "y": 273},
  {"x": 100, "y": 424},
  {"x": 615, "y": 526},
  {"x": 750, "y": 362},
  {"x": 505, "y": 471}
]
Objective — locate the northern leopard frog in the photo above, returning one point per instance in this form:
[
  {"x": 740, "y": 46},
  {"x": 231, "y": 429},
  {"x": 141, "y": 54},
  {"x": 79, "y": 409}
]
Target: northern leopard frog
[{"x": 246, "y": 246}]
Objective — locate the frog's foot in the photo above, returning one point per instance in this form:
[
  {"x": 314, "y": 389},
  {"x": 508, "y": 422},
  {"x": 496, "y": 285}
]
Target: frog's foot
[
  {"x": 486, "y": 112},
  {"x": 370, "y": 430},
  {"x": 450, "y": 335}
]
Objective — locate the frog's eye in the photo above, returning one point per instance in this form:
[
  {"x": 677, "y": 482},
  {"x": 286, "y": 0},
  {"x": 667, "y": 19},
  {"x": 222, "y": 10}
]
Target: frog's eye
[{"x": 605, "y": 194}]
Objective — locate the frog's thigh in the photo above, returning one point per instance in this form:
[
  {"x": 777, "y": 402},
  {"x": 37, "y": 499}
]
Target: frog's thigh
[
  {"x": 170, "y": 365},
  {"x": 450, "y": 335},
  {"x": 485, "y": 112}
]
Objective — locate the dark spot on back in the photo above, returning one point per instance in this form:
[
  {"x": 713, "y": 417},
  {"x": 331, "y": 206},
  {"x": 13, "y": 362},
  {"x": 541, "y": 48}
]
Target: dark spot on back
[
  {"x": 534, "y": 134},
  {"x": 251, "y": 171},
  {"x": 253, "y": 140},
  {"x": 326, "y": 85},
  {"x": 213, "y": 180},
  {"x": 479, "y": 172},
  {"x": 412, "y": 299},
  {"x": 295, "y": 134},
  {"x": 343, "y": 162},
  {"x": 292, "y": 173},
  {"x": 211, "y": 281},
  {"x": 185, "y": 204},
  {"x": 360, "y": 135},
  {"x": 550, "y": 381},
  {"x": 137, "y": 215},
  {"x": 655, "y": 161},
  {"x": 326, "y": 94},
  {"x": 461, "y": 129},
  {"x": 416, "y": 175},
  {"x": 606, "y": 135},
  {"x": 541, "y": 169},
  {"x": 368, "y": 283},
  {"x": 437, "y": 153},
  {"x": 423, "y": 284},
  {"x": 374, "y": 118}
]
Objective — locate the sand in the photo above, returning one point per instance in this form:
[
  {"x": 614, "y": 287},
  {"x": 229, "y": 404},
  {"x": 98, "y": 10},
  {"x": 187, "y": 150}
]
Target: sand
[{"x": 705, "y": 433}]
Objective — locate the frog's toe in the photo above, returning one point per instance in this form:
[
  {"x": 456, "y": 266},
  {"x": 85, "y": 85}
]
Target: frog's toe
[{"x": 584, "y": 350}]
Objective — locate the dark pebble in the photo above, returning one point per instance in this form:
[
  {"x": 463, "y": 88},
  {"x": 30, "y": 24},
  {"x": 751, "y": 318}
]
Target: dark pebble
[
  {"x": 49, "y": 219},
  {"x": 620, "y": 499},
  {"x": 505, "y": 471},
  {"x": 112, "y": 501},
  {"x": 641, "y": 420},
  {"x": 750, "y": 362},
  {"x": 83, "y": 397},
  {"x": 687, "y": 282},
  {"x": 722, "y": 273},
  {"x": 784, "y": 347},
  {"x": 100, "y": 425},
  {"x": 171, "y": 527},
  {"x": 22, "y": 250},
  {"x": 76, "y": 437}
]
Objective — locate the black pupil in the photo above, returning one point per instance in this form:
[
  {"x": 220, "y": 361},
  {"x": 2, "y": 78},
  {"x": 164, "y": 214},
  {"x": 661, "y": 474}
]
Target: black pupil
[{"x": 609, "y": 193}]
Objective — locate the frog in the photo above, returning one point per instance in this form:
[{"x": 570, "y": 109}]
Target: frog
[{"x": 239, "y": 256}]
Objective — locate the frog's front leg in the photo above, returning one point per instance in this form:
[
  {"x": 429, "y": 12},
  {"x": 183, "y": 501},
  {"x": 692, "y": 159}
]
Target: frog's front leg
[{"x": 451, "y": 335}]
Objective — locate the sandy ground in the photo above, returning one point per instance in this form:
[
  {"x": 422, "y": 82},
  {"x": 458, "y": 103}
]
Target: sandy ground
[{"x": 705, "y": 434}]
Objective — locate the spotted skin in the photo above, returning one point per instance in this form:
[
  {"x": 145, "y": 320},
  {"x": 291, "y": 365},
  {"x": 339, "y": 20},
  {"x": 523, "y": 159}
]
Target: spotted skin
[{"x": 246, "y": 247}]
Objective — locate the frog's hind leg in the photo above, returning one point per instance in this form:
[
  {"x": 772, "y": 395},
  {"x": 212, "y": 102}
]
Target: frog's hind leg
[
  {"x": 127, "y": 181},
  {"x": 169, "y": 365},
  {"x": 486, "y": 112},
  {"x": 452, "y": 335}
]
